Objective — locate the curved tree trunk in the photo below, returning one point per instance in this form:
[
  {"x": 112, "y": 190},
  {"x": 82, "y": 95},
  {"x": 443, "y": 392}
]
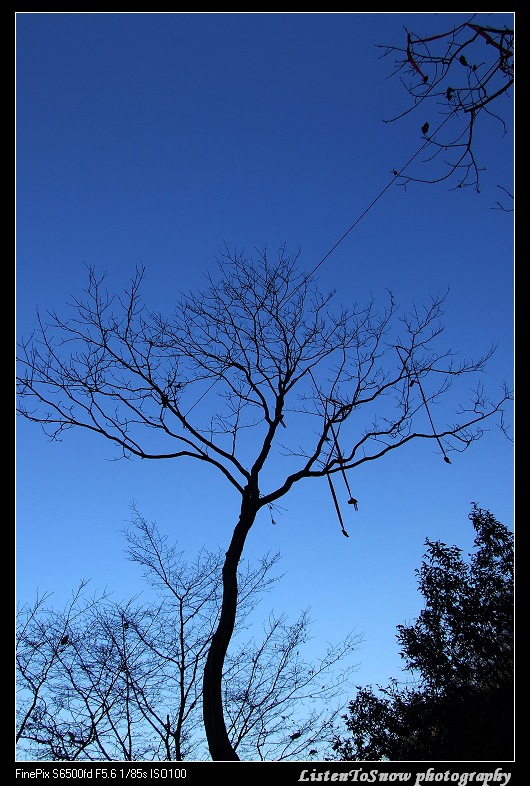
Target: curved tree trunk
[{"x": 214, "y": 724}]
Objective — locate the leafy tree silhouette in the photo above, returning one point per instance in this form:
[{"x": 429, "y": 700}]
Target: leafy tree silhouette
[{"x": 461, "y": 649}]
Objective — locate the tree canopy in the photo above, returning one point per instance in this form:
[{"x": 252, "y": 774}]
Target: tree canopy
[{"x": 460, "y": 651}]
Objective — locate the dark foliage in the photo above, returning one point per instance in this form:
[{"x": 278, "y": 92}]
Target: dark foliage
[{"x": 461, "y": 651}]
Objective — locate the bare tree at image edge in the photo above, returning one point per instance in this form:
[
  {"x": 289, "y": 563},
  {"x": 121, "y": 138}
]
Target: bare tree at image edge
[
  {"x": 102, "y": 680},
  {"x": 461, "y": 80},
  {"x": 281, "y": 377}
]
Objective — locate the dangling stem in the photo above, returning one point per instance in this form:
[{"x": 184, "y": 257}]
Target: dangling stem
[{"x": 335, "y": 500}]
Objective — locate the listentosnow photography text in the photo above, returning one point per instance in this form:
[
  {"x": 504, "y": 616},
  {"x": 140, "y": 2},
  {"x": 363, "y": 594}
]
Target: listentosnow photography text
[{"x": 430, "y": 776}]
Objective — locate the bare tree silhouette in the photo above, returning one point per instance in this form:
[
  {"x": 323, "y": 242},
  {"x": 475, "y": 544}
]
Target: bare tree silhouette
[
  {"x": 463, "y": 75},
  {"x": 128, "y": 686},
  {"x": 282, "y": 377}
]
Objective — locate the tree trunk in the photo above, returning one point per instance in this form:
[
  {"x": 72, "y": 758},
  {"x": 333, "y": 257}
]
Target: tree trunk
[{"x": 214, "y": 724}]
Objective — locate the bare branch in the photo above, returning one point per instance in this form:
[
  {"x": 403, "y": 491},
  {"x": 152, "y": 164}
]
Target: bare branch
[{"x": 460, "y": 72}]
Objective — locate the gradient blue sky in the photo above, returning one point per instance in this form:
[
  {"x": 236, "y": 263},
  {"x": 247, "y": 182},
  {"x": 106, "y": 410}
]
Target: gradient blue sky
[{"x": 154, "y": 139}]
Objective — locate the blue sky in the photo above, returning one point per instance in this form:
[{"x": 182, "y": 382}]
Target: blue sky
[{"x": 155, "y": 139}]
